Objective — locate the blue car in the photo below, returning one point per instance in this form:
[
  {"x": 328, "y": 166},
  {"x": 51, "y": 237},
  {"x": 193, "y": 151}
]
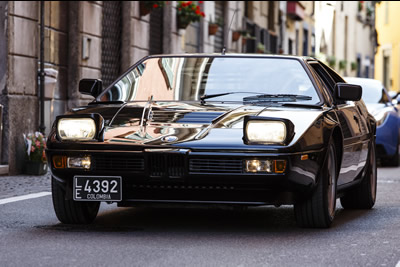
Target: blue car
[{"x": 380, "y": 105}]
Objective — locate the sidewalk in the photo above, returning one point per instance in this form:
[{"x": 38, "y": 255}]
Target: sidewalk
[{"x": 11, "y": 186}]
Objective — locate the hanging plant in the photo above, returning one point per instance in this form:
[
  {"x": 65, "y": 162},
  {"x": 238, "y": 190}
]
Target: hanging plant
[
  {"x": 147, "y": 6},
  {"x": 213, "y": 26},
  {"x": 188, "y": 12},
  {"x": 235, "y": 36}
]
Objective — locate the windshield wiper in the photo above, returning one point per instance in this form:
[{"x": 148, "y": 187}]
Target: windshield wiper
[
  {"x": 203, "y": 97},
  {"x": 276, "y": 98}
]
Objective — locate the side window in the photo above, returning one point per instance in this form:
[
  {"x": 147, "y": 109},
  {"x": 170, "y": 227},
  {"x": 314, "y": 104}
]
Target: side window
[
  {"x": 325, "y": 77},
  {"x": 333, "y": 74},
  {"x": 329, "y": 77}
]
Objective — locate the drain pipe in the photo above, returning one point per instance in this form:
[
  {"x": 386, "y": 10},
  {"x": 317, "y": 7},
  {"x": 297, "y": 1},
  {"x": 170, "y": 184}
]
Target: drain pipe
[{"x": 42, "y": 127}]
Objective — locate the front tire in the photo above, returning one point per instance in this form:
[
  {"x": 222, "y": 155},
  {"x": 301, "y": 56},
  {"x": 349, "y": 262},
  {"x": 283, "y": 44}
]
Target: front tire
[
  {"x": 69, "y": 211},
  {"x": 318, "y": 211},
  {"x": 364, "y": 195}
]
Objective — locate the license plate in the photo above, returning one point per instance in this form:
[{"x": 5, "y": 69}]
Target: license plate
[{"x": 97, "y": 188}]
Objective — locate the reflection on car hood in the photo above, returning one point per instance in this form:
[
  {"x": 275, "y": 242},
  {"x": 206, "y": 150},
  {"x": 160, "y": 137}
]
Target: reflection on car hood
[{"x": 191, "y": 124}]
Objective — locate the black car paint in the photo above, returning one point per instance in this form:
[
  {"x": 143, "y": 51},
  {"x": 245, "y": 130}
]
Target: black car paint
[{"x": 349, "y": 124}]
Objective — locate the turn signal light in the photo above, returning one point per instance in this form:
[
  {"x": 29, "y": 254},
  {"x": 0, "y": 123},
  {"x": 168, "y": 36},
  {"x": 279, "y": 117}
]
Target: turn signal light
[
  {"x": 59, "y": 162},
  {"x": 280, "y": 166}
]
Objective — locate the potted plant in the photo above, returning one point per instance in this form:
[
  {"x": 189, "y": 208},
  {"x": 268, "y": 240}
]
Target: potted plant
[
  {"x": 260, "y": 48},
  {"x": 188, "y": 12},
  {"x": 360, "y": 5},
  {"x": 146, "y": 6},
  {"x": 235, "y": 36},
  {"x": 354, "y": 65},
  {"x": 36, "y": 162},
  {"x": 331, "y": 61},
  {"x": 342, "y": 64},
  {"x": 214, "y": 26},
  {"x": 246, "y": 36},
  {"x": 237, "y": 33}
]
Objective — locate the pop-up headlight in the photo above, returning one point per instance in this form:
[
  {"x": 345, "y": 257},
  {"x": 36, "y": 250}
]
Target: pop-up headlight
[
  {"x": 261, "y": 130},
  {"x": 76, "y": 129},
  {"x": 80, "y": 127}
]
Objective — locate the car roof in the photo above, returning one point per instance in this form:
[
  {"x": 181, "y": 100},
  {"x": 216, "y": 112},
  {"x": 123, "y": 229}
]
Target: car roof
[
  {"x": 366, "y": 81},
  {"x": 232, "y": 55}
]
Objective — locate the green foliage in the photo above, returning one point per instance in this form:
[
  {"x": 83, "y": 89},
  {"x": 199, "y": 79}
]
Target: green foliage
[
  {"x": 260, "y": 48},
  {"x": 342, "y": 64},
  {"x": 354, "y": 65},
  {"x": 154, "y": 4},
  {"x": 331, "y": 61},
  {"x": 219, "y": 22}
]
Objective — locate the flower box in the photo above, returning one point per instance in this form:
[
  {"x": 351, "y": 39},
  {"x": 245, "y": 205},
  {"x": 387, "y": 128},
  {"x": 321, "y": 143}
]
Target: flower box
[
  {"x": 35, "y": 167},
  {"x": 188, "y": 12},
  {"x": 35, "y": 162},
  {"x": 212, "y": 29},
  {"x": 235, "y": 36}
]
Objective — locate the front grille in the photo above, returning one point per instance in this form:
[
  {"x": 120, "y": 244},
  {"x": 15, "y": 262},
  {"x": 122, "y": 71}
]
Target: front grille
[
  {"x": 112, "y": 163},
  {"x": 166, "y": 165},
  {"x": 183, "y": 187},
  {"x": 215, "y": 166}
]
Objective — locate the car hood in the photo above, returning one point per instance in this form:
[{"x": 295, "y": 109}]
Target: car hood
[
  {"x": 376, "y": 108},
  {"x": 191, "y": 125}
]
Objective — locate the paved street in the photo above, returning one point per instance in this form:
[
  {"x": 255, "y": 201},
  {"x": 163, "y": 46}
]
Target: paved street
[{"x": 30, "y": 234}]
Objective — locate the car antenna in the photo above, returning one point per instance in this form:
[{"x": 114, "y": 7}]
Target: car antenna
[{"x": 230, "y": 25}]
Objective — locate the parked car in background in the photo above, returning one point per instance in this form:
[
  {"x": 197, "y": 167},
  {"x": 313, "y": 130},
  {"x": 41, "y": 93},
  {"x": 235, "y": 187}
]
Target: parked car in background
[
  {"x": 212, "y": 129},
  {"x": 387, "y": 115}
]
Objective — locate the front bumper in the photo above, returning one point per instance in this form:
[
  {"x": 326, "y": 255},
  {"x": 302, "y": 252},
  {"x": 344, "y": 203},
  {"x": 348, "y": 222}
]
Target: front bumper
[{"x": 181, "y": 175}]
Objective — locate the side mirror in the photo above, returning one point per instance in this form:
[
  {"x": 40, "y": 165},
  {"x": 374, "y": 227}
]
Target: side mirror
[
  {"x": 91, "y": 87},
  {"x": 348, "y": 92}
]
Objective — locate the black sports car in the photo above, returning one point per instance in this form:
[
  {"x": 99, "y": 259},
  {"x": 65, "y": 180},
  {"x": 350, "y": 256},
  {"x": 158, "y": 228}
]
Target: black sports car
[{"x": 217, "y": 129}]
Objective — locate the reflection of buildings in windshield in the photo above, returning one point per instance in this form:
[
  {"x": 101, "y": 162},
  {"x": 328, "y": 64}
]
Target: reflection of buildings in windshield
[
  {"x": 188, "y": 78},
  {"x": 172, "y": 79},
  {"x": 164, "y": 78},
  {"x": 126, "y": 88}
]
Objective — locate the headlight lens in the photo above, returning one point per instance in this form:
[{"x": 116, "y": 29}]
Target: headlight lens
[
  {"x": 266, "y": 131},
  {"x": 76, "y": 129}
]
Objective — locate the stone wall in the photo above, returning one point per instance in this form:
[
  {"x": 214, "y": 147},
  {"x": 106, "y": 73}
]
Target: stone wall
[{"x": 20, "y": 92}]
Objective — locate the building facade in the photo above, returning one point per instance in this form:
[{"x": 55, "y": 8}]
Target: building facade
[
  {"x": 346, "y": 36},
  {"x": 388, "y": 53},
  {"x": 101, "y": 39}
]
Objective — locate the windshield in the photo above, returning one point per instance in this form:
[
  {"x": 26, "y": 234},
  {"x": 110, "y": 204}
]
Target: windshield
[
  {"x": 190, "y": 78},
  {"x": 372, "y": 90}
]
